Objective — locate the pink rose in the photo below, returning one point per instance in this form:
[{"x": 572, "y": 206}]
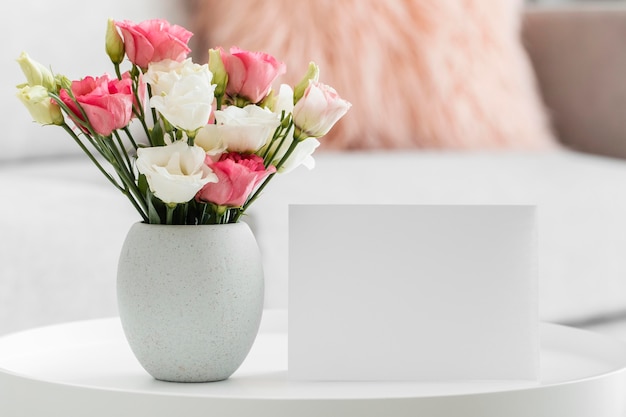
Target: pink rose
[
  {"x": 108, "y": 104},
  {"x": 154, "y": 40},
  {"x": 127, "y": 88},
  {"x": 238, "y": 175},
  {"x": 250, "y": 74},
  {"x": 317, "y": 111}
]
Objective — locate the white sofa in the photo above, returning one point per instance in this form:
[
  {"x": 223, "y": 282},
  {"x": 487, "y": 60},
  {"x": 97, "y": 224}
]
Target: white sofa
[{"x": 62, "y": 225}]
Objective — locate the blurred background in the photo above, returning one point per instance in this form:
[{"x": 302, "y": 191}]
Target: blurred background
[{"x": 62, "y": 225}]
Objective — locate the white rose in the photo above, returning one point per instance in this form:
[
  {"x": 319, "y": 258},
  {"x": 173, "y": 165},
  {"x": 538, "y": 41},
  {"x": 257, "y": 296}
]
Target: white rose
[
  {"x": 301, "y": 155},
  {"x": 284, "y": 101},
  {"x": 175, "y": 172},
  {"x": 182, "y": 92},
  {"x": 209, "y": 138},
  {"x": 239, "y": 129}
]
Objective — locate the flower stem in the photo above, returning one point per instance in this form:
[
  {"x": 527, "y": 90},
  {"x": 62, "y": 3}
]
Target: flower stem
[
  {"x": 130, "y": 137},
  {"x": 117, "y": 71},
  {"x": 127, "y": 177},
  {"x": 91, "y": 157},
  {"x": 129, "y": 164},
  {"x": 123, "y": 189},
  {"x": 281, "y": 132},
  {"x": 169, "y": 213},
  {"x": 258, "y": 191},
  {"x": 139, "y": 109}
]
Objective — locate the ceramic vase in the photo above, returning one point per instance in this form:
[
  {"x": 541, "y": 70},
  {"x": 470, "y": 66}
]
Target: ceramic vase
[{"x": 190, "y": 298}]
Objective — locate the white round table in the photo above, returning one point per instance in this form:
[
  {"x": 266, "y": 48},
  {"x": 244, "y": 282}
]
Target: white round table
[{"x": 86, "y": 369}]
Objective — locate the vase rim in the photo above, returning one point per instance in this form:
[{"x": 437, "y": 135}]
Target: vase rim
[
  {"x": 155, "y": 226},
  {"x": 189, "y": 225}
]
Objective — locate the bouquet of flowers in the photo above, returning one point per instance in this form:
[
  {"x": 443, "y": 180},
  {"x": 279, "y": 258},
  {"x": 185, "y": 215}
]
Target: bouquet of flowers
[{"x": 212, "y": 135}]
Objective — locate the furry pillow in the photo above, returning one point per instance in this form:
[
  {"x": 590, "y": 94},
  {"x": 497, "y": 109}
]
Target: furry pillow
[{"x": 419, "y": 73}]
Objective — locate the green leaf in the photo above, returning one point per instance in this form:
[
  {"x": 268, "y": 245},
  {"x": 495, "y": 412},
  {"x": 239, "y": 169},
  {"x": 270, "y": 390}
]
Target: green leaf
[
  {"x": 142, "y": 183},
  {"x": 157, "y": 135},
  {"x": 156, "y": 209}
]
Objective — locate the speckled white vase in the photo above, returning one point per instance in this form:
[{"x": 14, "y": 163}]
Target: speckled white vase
[{"x": 190, "y": 298}]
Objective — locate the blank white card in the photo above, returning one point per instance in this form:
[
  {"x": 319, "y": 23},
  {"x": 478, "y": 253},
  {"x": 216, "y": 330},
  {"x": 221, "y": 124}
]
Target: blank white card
[{"x": 413, "y": 292}]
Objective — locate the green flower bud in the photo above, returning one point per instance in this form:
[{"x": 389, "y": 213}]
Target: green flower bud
[
  {"x": 269, "y": 101},
  {"x": 36, "y": 73},
  {"x": 40, "y": 106},
  {"x": 62, "y": 82},
  {"x": 220, "y": 76},
  {"x": 312, "y": 74},
  {"x": 114, "y": 43}
]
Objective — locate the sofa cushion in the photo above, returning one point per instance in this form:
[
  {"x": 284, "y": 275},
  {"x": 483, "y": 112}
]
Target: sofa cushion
[
  {"x": 435, "y": 74},
  {"x": 577, "y": 51}
]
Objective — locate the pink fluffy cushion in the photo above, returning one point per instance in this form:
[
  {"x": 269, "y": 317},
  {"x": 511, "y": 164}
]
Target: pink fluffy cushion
[{"x": 419, "y": 73}]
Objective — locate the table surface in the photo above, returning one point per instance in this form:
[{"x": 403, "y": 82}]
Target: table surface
[{"x": 87, "y": 367}]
